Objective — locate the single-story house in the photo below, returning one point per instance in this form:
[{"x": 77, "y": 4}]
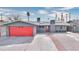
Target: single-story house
[
  {"x": 21, "y": 28},
  {"x": 42, "y": 27},
  {"x": 74, "y": 25},
  {"x": 59, "y": 27},
  {"x": 17, "y": 28}
]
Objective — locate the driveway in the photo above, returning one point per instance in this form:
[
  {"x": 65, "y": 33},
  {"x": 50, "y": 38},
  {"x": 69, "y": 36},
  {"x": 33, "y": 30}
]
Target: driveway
[
  {"x": 41, "y": 42},
  {"x": 4, "y": 41}
]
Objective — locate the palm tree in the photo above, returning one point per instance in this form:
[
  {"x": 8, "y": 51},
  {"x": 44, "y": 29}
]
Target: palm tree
[{"x": 28, "y": 14}]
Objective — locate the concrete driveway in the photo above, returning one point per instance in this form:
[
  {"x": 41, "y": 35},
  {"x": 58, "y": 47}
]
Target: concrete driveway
[
  {"x": 4, "y": 41},
  {"x": 41, "y": 42}
]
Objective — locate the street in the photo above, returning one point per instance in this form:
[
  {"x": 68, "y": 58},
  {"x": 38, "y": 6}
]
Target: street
[{"x": 66, "y": 41}]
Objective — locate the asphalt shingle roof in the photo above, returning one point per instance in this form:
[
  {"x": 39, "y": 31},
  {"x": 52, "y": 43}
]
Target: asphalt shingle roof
[{"x": 36, "y": 23}]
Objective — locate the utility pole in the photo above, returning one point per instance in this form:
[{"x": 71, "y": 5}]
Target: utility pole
[
  {"x": 56, "y": 16},
  {"x": 1, "y": 16},
  {"x": 48, "y": 18},
  {"x": 62, "y": 18},
  {"x": 66, "y": 17},
  {"x": 69, "y": 16}
]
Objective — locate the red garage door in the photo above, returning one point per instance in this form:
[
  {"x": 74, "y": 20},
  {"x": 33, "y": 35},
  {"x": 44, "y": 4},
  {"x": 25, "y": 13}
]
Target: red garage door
[{"x": 20, "y": 31}]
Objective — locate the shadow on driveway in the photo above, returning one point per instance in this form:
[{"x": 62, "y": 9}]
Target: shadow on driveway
[{"x": 15, "y": 40}]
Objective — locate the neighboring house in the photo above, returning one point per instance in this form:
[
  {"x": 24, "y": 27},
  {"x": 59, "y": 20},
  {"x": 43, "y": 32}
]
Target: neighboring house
[
  {"x": 60, "y": 27},
  {"x": 74, "y": 25}
]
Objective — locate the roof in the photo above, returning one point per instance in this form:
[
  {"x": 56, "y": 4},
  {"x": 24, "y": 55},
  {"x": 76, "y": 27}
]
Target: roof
[
  {"x": 7, "y": 23},
  {"x": 62, "y": 23},
  {"x": 40, "y": 23},
  {"x": 36, "y": 23},
  {"x": 30, "y": 22}
]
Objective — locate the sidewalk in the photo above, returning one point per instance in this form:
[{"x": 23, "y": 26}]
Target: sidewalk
[
  {"x": 42, "y": 43},
  {"x": 74, "y": 35}
]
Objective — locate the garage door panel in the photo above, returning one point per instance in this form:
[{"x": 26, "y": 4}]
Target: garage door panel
[{"x": 20, "y": 31}]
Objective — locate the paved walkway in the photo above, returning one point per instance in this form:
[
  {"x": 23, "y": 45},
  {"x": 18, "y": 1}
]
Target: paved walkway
[{"x": 42, "y": 43}]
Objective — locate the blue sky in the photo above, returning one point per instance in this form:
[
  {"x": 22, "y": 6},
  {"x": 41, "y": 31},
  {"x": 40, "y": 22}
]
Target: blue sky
[{"x": 43, "y": 12}]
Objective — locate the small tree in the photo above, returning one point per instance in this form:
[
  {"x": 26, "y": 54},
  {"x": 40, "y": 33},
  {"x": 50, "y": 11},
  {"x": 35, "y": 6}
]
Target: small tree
[
  {"x": 9, "y": 18},
  {"x": 16, "y": 17}
]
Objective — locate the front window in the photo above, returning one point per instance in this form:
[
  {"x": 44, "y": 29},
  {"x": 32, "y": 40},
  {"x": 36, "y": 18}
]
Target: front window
[
  {"x": 61, "y": 27},
  {"x": 41, "y": 26}
]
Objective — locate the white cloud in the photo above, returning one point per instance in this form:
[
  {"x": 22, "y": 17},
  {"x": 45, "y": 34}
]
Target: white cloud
[
  {"x": 3, "y": 9},
  {"x": 51, "y": 15},
  {"x": 42, "y": 12},
  {"x": 32, "y": 14},
  {"x": 48, "y": 8},
  {"x": 6, "y": 14},
  {"x": 66, "y": 8},
  {"x": 6, "y": 10},
  {"x": 53, "y": 11},
  {"x": 61, "y": 10},
  {"x": 24, "y": 13}
]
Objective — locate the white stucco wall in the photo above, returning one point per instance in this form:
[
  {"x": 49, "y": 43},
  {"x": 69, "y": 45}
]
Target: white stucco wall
[
  {"x": 3, "y": 31},
  {"x": 52, "y": 28},
  {"x": 76, "y": 28},
  {"x": 34, "y": 30},
  {"x": 58, "y": 28}
]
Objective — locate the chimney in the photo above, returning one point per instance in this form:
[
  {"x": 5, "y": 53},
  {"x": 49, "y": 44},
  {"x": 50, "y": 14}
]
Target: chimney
[
  {"x": 56, "y": 16},
  {"x": 38, "y": 19},
  {"x": 69, "y": 16},
  {"x": 52, "y": 21}
]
